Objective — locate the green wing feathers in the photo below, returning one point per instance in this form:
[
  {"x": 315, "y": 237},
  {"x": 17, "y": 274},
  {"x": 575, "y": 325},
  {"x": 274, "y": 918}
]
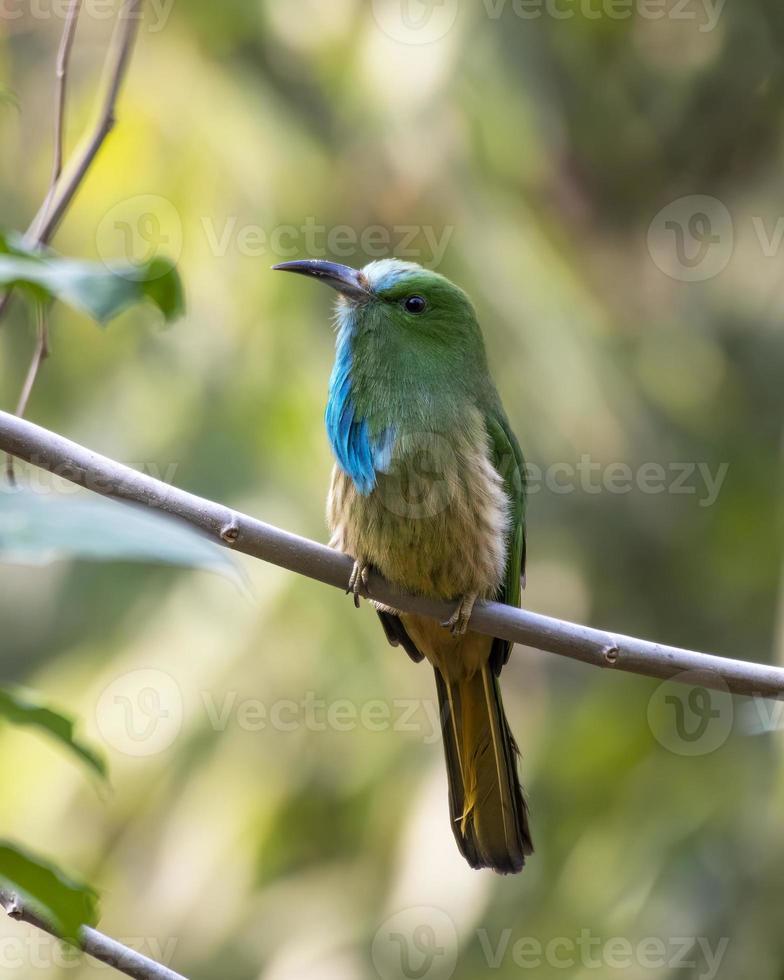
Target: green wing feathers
[{"x": 508, "y": 461}]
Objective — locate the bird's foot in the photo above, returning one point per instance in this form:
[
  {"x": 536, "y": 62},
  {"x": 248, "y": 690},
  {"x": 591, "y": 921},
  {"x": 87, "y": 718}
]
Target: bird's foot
[
  {"x": 358, "y": 582},
  {"x": 457, "y": 623}
]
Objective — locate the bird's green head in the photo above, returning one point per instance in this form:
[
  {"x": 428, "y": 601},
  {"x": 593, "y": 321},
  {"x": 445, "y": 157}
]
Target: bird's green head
[
  {"x": 398, "y": 302},
  {"x": 409, "y": 355}
]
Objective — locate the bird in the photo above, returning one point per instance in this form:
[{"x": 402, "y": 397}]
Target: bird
[{"x": 428, "y": 489}]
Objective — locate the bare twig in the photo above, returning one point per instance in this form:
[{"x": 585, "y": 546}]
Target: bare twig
[
  {"x": 95, "y": 944},
  {"x": 39, "y": 356},
  {"x": 62, "y": 192},
  {"x": 61, "y": 84},
  {"x": 51, "y": 213},
  {"x": 105, "y": 476}
]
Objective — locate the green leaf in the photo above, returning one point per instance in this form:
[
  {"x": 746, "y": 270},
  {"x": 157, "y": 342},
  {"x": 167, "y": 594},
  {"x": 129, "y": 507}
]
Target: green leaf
[
  {"x": 101, "y": 290},
  {"x": 36, "y": 529},
  {"x": 22, "y": 709},
  {"x": 66, "y": 904},
  {"x": 8, "y": 97}
]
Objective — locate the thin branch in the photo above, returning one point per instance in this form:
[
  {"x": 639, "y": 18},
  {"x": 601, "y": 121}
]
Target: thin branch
[
  {"x": 41, "y": 351},
  {"x": 61, "y": 85},
  {"x": 51, "y": 214},
  {"x": 105, "y": 476},
  {"x": 40, "y": 354},
  {"x": 59, "y": 197},
  {"x": 95, "y": 944}
]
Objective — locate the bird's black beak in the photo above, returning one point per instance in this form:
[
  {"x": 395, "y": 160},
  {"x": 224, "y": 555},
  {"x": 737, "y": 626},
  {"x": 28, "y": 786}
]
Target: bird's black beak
[{"x": 350, "y": 282}]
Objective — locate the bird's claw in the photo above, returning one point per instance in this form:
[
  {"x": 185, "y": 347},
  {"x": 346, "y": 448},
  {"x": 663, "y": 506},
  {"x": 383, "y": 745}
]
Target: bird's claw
[
  {"x": 358, "y": 583},
  {"x": 457, "y": 624}
]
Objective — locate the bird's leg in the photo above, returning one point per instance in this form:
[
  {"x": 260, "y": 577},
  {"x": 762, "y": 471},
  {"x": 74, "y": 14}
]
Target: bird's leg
[
  {"x": 458, "y": 621},
  {"x": 357, "y": 584}
]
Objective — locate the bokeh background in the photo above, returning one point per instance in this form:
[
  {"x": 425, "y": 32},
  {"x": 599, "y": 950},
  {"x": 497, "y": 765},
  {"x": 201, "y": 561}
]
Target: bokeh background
[{"x": 605, "y": 181}]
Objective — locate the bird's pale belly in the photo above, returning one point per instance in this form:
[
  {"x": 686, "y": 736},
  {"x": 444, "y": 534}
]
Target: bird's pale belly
[{"x": 441, "y": 535}]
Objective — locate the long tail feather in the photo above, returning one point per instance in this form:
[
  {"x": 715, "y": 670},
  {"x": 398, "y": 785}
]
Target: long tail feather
[{"x": 489, "y": 814}]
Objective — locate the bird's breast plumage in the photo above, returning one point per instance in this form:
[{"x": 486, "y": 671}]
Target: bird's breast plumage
[{"x": 436, "y": 522}]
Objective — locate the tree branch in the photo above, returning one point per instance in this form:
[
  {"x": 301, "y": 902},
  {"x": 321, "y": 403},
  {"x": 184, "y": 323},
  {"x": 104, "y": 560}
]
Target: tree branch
[
  {"x": 95, "y": 944},
  {"x": 105, "y": 476}
]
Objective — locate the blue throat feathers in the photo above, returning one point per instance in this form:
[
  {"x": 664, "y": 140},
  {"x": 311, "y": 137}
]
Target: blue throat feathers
[{"x": 359, "y": 454}]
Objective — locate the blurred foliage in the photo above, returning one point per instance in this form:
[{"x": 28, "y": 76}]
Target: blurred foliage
[
  {"x": 66, "y": 904},
  {"x": 100, "y": 290},
  {"x": 37, "y": 529},
  {"x": 252, "y": 833},
  {"x": 17, "y": 708}
]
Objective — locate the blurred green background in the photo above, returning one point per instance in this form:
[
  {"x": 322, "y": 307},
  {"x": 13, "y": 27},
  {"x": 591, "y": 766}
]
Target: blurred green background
[{"x": 605, "y": 181}]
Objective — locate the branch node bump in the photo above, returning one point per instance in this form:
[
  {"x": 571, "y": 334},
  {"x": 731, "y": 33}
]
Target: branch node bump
[
  {"x": 231, "y": 531},
  {"x": 11, "y": 905},
  {"x": 611, "y": 654}
]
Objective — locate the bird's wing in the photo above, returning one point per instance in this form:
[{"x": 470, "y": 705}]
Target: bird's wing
[
  {"x": 507, "y": 458},
  {"x": 397, "y": 635}
]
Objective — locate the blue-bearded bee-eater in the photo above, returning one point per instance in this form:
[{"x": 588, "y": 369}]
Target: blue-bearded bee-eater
[{"x": 428, "y": 488}]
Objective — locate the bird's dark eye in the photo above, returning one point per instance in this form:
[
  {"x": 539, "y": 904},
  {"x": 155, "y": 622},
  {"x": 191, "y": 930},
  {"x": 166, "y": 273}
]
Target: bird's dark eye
[{"x": 415, "y": 304}]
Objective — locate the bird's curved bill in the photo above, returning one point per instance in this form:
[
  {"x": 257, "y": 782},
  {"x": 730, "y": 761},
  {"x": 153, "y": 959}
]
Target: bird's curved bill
[{"x": 350, "y": 282}]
